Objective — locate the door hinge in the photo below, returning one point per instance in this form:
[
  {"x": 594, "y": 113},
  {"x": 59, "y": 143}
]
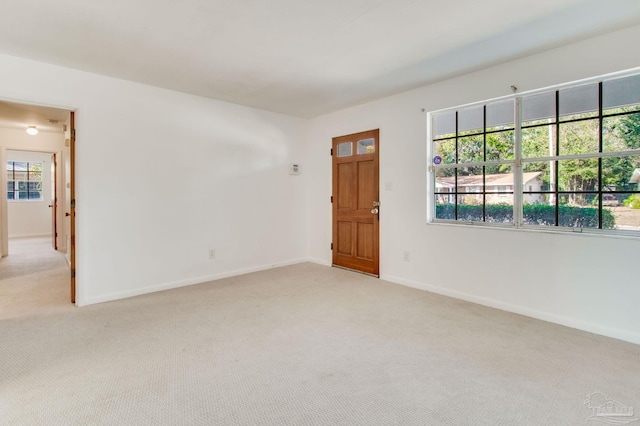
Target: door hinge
[
  {"x": 332, "y": 198},
  {"x": 73, "y": 133},
  {"x": 73, "y": 273},
  {"x": 331, "y": 246},
  {"x": 73, "y": 203},
  {"x": 332, "y": 152}
]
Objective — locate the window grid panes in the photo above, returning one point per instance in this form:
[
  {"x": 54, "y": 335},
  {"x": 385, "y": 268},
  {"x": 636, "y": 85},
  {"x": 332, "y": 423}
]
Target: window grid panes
[
  {"x": 466, "y": 187},
  {"x": 575, "y": 163},
  {"x": 24, "y": 181}
]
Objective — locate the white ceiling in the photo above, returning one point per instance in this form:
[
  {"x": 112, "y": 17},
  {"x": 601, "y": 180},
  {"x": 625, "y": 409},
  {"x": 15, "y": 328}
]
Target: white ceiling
[
  {"x": 299, "y": 57},
  {"x": 20, "y": 116}
]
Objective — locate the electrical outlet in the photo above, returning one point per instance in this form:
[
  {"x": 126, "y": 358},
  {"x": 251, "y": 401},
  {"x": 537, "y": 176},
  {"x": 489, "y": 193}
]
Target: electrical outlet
[
  {"x": 212, "y": 253},
  {"x": 405, "y": 256}
]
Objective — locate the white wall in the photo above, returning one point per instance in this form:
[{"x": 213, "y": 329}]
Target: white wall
[
  {"x": 31, "y": 218},
  {"x": 587, "y": 282},
  {"x": 164, "y": 176}
]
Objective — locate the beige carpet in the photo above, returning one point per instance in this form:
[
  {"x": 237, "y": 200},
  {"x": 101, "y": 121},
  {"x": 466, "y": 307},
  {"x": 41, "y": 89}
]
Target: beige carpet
[
  {"x": 303, "y": 345},
  {"x": 34, "y": 279}
]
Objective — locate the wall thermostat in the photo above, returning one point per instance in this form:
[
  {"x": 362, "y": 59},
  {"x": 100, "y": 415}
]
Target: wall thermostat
[{"x": 294, "y": 169}]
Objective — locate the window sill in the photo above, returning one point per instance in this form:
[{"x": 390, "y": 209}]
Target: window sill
[{"x": 587, "y": 232}]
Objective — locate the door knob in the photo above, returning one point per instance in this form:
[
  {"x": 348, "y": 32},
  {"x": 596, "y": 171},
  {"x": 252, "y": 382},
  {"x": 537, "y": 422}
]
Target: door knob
[
  {"x": 374, "y": 210},
  {"x": 67, "y": 214}
]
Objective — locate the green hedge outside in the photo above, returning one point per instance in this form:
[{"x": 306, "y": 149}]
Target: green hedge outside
[
  {"x": 532, "y": 214},
  {"x": 632, "y": 202}
]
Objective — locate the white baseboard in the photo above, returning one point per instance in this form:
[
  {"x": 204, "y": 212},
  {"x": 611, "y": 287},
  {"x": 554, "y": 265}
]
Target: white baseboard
[
  {"x": 590, "y": 327},
  {"x": 17, "y": 237},
  {"x": 183, "y": 283},
  {"x": 319, "y": 261}
]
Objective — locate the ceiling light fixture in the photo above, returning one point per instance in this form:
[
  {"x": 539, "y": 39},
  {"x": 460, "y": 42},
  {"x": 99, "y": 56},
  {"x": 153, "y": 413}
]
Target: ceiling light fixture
[{"x": 32, "y": 130}]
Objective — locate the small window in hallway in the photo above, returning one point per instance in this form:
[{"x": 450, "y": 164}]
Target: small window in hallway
[{"x": 24, "y": 181}]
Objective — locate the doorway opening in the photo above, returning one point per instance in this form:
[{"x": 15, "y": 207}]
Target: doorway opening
[{"x": 37, "y": 233}]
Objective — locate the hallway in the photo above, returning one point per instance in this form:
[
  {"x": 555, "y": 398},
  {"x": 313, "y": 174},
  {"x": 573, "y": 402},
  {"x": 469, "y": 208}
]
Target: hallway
[{"x": 34, "y": 279}]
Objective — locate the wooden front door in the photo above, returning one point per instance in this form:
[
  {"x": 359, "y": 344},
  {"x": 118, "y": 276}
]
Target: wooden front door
[{"x": 356, "y": 202}]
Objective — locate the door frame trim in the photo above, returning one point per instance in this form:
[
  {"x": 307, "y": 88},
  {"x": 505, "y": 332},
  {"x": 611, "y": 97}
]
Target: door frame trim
[
  {"x": 72, "y": 210},
  {"x": 54, "y": 202}
]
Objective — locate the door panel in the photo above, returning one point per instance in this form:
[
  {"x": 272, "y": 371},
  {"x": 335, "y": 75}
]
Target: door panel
[
  {"x": 345, "y": 186},
  {"x": 54, "y": 202},
  {"x": 344, "y": 238},
  {"x": 365, "y": 238},
  {"x": 356, "y": 194},
  {"x": 365, "y": 190}
]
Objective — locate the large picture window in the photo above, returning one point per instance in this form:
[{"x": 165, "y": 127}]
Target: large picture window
[
  {"x": 564, "y": 158},
  {"x": 24, "y": 180}
]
